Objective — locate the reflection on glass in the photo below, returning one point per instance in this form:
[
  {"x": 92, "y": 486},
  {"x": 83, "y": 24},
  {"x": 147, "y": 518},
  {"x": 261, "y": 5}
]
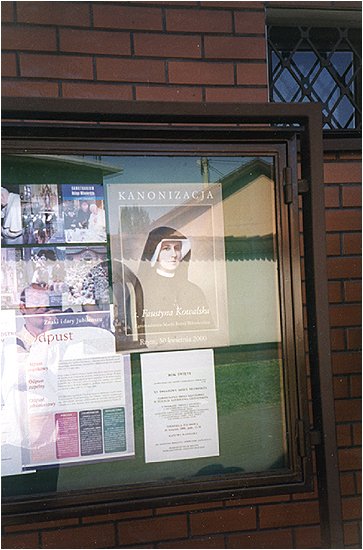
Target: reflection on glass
[{"x": 185, "y": 272}]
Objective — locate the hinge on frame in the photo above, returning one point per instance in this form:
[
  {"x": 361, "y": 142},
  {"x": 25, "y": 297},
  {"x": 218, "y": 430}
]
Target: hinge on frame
[
  {"x": 303, "y": 186},
  {"x": 287, "y": 184}
]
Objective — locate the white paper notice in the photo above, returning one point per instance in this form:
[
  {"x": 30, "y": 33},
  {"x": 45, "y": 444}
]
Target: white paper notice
[
  {"x": 10, "y": 397},
  {"x": 180, "y": 408}
]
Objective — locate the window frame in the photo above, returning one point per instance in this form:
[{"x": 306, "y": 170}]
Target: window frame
[{"x": 291, "y": 17}]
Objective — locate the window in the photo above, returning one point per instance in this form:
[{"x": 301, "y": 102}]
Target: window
[{"x": 316, "y": 64}]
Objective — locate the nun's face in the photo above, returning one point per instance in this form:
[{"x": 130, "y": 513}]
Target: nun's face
[{"x": 170, "y": 255}]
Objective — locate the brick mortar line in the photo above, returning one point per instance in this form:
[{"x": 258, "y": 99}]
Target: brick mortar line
[
  {"x": 17, "y": 65},
  {"x": 132, "y": 57},
  {"x": 91, "y": 15},
  {"x": 172, "y": 7},
  {"x": 39, "y": 80},
  {"x": 15, "y": 12},
  {"x": 115, "y": 30}
]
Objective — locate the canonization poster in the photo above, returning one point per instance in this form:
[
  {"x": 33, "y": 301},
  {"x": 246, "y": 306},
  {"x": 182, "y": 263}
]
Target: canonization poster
[
  {"x": 168, "y": 266},
  {"x": 180, "y": 407},
  {"x": 69, "y": 400}
]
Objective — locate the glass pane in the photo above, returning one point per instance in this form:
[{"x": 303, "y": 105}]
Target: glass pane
[{"x": 86, "y": 240}]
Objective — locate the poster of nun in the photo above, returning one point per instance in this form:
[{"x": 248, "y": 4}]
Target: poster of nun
[
  {"x": 168, "y": 266},
  {"x": 83, "y": 213}
]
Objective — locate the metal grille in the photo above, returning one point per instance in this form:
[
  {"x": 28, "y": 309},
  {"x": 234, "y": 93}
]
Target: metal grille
[{"x": 311, "y": 64}]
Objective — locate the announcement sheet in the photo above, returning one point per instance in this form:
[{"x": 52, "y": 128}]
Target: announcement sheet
[{"x": 180, "y": 409}]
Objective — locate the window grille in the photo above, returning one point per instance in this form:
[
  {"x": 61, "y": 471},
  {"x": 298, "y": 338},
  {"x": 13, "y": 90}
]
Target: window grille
[{"x": 312, "y": 64}]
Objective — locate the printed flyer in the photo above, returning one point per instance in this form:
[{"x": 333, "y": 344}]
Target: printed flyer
[
  {"x": 71, "y": 276},
  {"x": 30, "y": 214},
  {"x": 73, "y": 393},
  {"x": 83, "y": 213},
  {"x": 168, "y": 266},
  {"x": 180, "y": 407}
]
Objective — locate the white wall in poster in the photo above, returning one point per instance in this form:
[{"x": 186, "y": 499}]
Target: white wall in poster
[{"x": 180, "y": 408}]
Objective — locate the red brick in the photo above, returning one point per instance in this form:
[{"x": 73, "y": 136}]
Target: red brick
[
  {"x": 335, "y": 293},
  {"x": 331, "y": 194},
  {"x": 186, "y": 3},
  {"x": 235, "y": 5},
  {"x": 347, "y": 484},
  {"x": 97, "y": 91},
  {"x": 130, "y": 70},
  {"x": 352, "y": 196},
  {"x": 188, "y": 508},
  {"x": 193, "y": 72},
  {"x": 257, "y": 500},
  {"x": 95, "y": 42},
  {"x": 22, "y": 37},
  {"x": 153, "y": 530},
  {"x": 269, "y": 539},
  {"x": 171, "y": 45},
  {"x": 350, "y": 459},
  {"x": 311, "y": 495},
  {"x": 351, "y": 534},
  {"x": 352, "y": 243},
  {"x": 165, "y": 93},
  {"x": 222, "y": 521},
  {"x": 26, "y": 88},
  {"x": 207, "y": 542},
  {"x": 90, "y": 536},
  {"x": 358, "y": 477},
  {"x": 252, "y": 74},
  {"x": 333, "y": 244},
  {"x": 351, "y": 508},
  {"x": 337, "y": 339},
  {"x": 353, "y": 291},
  {"x": 308, "y": 537},
  {"x": 343, "y": 220},
  {"x": 37, "y": 526},
  {"x": 236, "y": 95},
  {"x": 56, "y": 66},
  {"x": 282, "y": 515},
  {"x": 198, "y": 21},
  {"x": 235, "y": 47},
  {"x": 29, "y": 540},
  {"x": 7, "y": 12},
  {"x": 249, "y": 22},
  {"x": 344, "y": 268},
  {"x": 347, "y": 410},
  {"x": 350, "y": 155},
  {"x": 342, "y": 172},
  {"x": 346, "y": 363},
  {"x": 356, "y": 385},
  {"x": 117, "y": 516},
  {"x": 341, "y": 387},
  {"x": 357, "y": 434},
  {"x": 127, "y": 17},
  {"x": 8, "y": 64},
  {"x": 345, "y": 315},
  {"x": 354, "y": 339},
  {"x": 54, "y": 13}
]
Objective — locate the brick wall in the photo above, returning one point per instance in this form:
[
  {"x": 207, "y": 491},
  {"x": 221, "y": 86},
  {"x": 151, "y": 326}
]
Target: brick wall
[
  {"x": 183, "y": 51},
  {"x": 194, "y": 51}
]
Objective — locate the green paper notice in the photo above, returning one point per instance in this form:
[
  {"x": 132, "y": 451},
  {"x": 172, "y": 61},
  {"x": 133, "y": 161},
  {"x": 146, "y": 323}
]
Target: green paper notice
[{"x": 114, "y": 430}]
